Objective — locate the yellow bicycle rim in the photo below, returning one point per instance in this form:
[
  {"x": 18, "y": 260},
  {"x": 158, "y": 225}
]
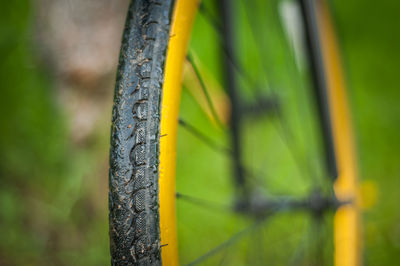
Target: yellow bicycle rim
[
  {"x": 347, "y": 222},
  {"x": 182, "y": 21},
  {"x": 347, "y": 218}
]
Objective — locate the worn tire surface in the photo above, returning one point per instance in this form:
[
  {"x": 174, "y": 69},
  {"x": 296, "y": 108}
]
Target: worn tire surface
[{"x": 135, "y": 133}]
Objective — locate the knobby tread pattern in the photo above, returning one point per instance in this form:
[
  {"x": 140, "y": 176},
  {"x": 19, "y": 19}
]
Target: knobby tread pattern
[{"x": 135, "y": 133}]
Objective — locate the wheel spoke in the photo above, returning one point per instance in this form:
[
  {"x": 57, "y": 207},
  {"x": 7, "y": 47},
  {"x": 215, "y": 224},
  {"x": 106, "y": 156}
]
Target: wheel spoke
[
  {"x": 204, "y": 203},
  {"x": 224, "y": 245},
  {"x": 225, "y": 256},
  {"x": 282, "y": 128},
  {"x": 240, "y": 70},
  {"x": 209, "y": 17},
  {"x": 219, "y": 149},
  {"x": 205, "y": 90},
  {"x": 318, "y": 237},
  {"x": 204, "y": 138},
  {"x": 300, "y": 250}
]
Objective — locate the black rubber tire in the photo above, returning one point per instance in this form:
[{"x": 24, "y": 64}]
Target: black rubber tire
[{"x": 135, "y": 133}]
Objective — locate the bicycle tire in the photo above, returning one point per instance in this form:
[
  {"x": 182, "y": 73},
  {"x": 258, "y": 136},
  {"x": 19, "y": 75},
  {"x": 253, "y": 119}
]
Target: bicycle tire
[{"x": 133, "y": 178}]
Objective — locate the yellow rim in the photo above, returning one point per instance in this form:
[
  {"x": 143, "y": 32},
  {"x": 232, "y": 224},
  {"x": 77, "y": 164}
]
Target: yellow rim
[
  {"x": 347, "y": 237},
  {"x": 347, "y": 219},
  {"x": 182, "y": 21}
]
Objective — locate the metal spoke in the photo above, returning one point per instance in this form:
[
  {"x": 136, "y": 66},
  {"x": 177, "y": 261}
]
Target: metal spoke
[
  {"x": 287, "y": 137},
  {"x": 299, "y": 252},
  {"x": 258, "y": 247},
  {"x": 209, "y": 17},
  {"x": 317, "y": 236},
  {"x": 218, "y": 148},
  {"x": 204, "y": 138},
  {"x": 319, "y": 82},
  {"x": 204, "y": 203},
  {"x": 283, "y": 129},
  {"x": 224, "y": 245},
  {"x": 224, "y": 258},
  {"x": 205, "y": 90},
  {"x": 218, "y": 28}
]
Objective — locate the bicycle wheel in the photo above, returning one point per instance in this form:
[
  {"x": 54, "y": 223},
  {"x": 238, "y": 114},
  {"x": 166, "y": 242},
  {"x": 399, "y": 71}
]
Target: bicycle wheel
[{"x": 142, "y": 199}]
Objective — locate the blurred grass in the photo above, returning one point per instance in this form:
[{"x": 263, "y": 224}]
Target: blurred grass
[
  {"x": 50, "y": 214},
  {"x": 53, "y": 208},
  {"x": 370, "y": 47}
]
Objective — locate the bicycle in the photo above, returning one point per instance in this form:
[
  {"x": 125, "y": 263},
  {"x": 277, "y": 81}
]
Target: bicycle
[{"x": 142, "y": 199}]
